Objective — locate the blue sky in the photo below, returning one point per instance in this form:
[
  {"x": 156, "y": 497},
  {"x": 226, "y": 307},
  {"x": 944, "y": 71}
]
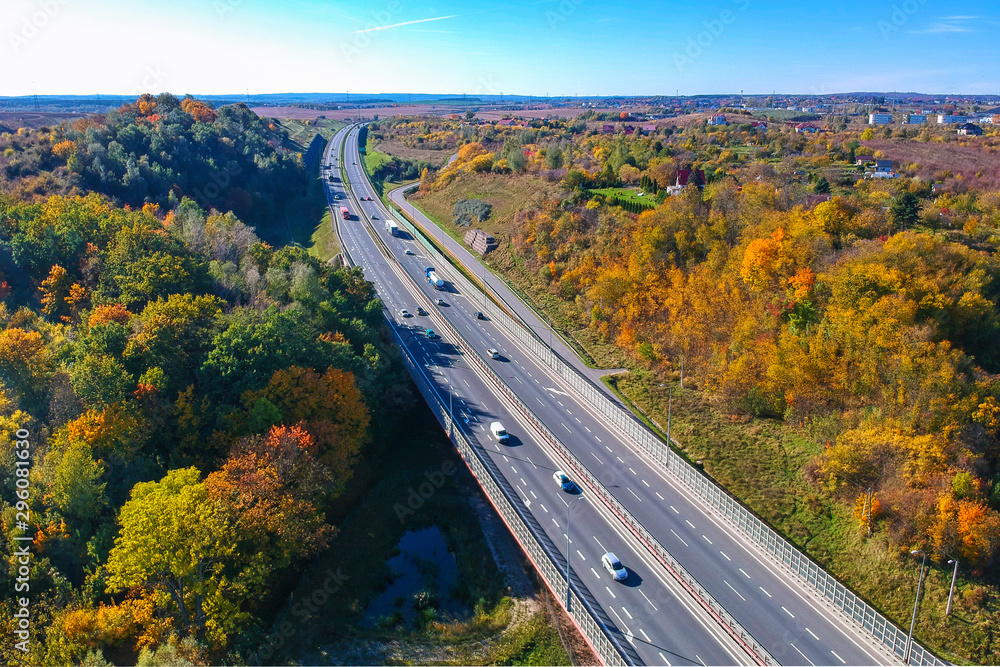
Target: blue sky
[{"x": 541, "y": 47}]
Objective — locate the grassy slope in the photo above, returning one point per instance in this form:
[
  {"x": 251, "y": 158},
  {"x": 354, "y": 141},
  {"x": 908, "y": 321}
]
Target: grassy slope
[
  {"x": 307, "y": 221},
  {"x": 760, "y": 461}
]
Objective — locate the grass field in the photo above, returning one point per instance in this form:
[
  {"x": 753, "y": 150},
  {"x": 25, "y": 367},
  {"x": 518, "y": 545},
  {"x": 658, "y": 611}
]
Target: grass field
[{"x": 628, "y": 194}]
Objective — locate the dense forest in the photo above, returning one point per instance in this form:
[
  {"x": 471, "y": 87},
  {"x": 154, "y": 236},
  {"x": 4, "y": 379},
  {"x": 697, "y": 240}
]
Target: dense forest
[
  {"x": 786, "y": 285},
  {"x": 196, "y": 399},
  {"x": 160, "y": 150}
]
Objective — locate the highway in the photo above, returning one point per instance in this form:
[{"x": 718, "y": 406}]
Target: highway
[
  {"x": 790, "y": 621},
  {"x": 657, "y": 622}
]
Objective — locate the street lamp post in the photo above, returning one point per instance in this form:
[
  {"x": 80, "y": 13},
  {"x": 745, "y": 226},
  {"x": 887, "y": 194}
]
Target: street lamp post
[
  {"x": 916, "y": 603},
  {"x": 567, "y": 552},
  {"x": 951, "y": 592}
]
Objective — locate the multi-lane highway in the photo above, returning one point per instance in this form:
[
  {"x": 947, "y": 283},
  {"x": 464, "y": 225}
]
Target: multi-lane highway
[{"x": 653, "y": 614}]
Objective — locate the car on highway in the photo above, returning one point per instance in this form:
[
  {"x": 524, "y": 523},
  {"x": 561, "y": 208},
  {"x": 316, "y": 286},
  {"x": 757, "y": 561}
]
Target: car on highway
[
  {"x": 440, "y": 301},
  {"x": 421, "y": 311},
  {"x": 614, "y": 566},
  {"x": 430, "y": 333},
  {"x": 499, "y": 432},
  {"x": 409, "y": 252},
  {"x": 404, "y": 313},
  {"x": 493, "y": 353},
  {"x": 480, "y": 316},
  {"x": 564, "y": 482},
  {"x": 373, "y": 217}
]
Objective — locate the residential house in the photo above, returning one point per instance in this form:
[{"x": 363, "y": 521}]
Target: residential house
[
  {"x": 862, "y": 160},
  {"x": 506, "y": 122},
  {"x": 758, "y": 124},
  {"x": 970, "y": 130},
  {"x": 649, "y": 128},
  {"x": 629, "y": 129},
  {"x": 717, "y": 120},
  {"x": 608, "y": 129},
  {"x": 684, "y": 177},
  {"x": 805, "y": 127}
]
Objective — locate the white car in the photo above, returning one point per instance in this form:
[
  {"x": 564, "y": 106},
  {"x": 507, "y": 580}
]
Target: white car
[
  {"x": 493, "y": 353},
  {"x": 499, "y": 432},
  {"x": 614, "y": 566},
  {"x": 405, "y": 313}
]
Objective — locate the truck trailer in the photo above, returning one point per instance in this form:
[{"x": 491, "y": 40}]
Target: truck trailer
[
  {"x": 392, "y": 228},
  {"x": 433, "y": 278}
]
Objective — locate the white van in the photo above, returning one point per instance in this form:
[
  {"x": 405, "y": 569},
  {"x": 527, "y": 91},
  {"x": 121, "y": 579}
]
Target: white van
[{"x": 498, "y": 431}]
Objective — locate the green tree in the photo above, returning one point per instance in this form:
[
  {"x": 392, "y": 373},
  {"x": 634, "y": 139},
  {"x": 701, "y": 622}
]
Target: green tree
[
  {"x": 175, "y": 540},
  {"x": 101, "y": 380},
  {"x": 904, "y": 211}
]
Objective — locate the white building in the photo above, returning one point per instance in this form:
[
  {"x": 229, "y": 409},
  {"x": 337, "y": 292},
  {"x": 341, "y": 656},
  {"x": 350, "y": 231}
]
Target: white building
[
  {"x": 951, "y": 120},
  {"x": 916, "y": 119},
  {"x": 880, "y": 119}
]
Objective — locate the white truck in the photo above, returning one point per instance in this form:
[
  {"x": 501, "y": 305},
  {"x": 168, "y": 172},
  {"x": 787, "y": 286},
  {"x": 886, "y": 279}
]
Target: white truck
[{"x": 392, "y": 228}]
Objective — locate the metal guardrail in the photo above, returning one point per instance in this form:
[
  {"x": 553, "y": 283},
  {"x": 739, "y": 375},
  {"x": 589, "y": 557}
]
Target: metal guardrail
[{"x": 851, "y": 606}]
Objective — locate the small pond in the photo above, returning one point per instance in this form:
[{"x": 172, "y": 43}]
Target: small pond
[{"x": 424, "y": 573}]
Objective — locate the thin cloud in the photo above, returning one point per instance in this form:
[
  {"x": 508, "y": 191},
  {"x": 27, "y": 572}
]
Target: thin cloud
[
  {"x": 942, "y": 27},
  {"x": 958, "y": 18},
  {"x": 397, "y": 25}
]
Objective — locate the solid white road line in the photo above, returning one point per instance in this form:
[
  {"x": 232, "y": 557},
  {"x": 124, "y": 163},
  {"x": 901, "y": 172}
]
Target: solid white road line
[
  {"x": 636, "y": 497},
  {"x": 649, "y": 601},
  {"x": 598, "y": 460},
  {"x": 734, "y": 590},
  {"x": 679, "y": 537},
  {"x": 802, "y": 654}
]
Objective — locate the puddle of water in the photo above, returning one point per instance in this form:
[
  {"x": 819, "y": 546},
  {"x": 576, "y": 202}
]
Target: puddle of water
[{"x": 423, "y": 564}]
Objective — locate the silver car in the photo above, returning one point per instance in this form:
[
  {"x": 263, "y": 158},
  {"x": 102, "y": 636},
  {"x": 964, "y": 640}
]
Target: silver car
[{"x": 614, "y": 566}]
